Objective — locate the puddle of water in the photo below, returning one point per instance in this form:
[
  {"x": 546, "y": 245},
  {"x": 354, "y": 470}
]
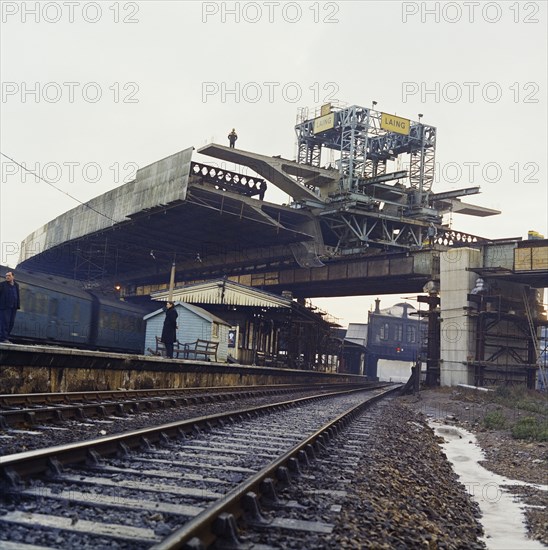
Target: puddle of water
[{"x": 502, "y": 517}]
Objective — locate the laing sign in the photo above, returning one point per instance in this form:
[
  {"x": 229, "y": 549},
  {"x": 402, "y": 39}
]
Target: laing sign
[
  {"x": 393, "y": 123},
  {"x": 324, "y": 123}
]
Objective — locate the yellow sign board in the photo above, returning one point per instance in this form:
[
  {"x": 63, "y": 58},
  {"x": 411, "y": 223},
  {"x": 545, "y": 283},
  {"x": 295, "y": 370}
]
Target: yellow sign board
[
  {"x": 534, "y": 235},
  {"x": 531, "y": 258},
  {"x": 323, "y": 123},
  {"x": 326, "y": 109},
  {"x": 393, "y": 123}
]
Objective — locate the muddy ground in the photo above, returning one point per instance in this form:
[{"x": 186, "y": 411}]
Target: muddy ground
[{"x": 517, "y": 459}]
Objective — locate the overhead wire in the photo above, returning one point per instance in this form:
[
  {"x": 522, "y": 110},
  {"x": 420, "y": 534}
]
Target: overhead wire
[{"x": 86, "y": 204}]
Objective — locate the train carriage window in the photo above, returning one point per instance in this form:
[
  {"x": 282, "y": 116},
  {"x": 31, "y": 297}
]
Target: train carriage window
[
  {"x": 41, "y": 303},
  {"x": 115, "y": 321},
  {"x": 103, "y": 320},
  {"x": 77, "y": 315},
  {"x": 130, "y": 323},
  {"x": 77, "y": 324},
  {"x": 123, "y": 321},
  {"x": 53, "y": 307},
  {"x": 25, "y": 296}
]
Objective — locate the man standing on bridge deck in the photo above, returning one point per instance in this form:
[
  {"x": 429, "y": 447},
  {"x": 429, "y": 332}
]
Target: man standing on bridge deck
[
  {"x": 232, "y": 137},
  {"x": 9, "y": 304},
  {"x": 431, "y": 233}
]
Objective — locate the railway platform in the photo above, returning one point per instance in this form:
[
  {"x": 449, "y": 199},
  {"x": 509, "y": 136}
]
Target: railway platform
[{"x": 29, "y": 369}]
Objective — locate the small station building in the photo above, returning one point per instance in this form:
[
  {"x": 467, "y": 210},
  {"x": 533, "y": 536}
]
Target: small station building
[
  {"x": 193, "y": 323},
  {"x": 264, "y": 328}
]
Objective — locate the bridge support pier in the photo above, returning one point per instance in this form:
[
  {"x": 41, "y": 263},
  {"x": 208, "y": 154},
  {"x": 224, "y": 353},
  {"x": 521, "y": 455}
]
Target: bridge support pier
[
  {"x": 491, "y": 311},
  {"x": 433, "y": 347},
  {"x": 456, "y": 329}
]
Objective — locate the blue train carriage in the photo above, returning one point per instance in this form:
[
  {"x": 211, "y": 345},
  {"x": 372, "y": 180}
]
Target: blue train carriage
[
  {"x": 53, "y": 311},
  {"x": 118, "y": 326}
]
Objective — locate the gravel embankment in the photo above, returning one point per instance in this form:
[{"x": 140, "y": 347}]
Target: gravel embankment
[{"x": 405, "y": 493}]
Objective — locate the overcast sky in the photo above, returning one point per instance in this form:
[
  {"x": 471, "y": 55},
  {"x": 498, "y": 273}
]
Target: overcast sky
[{"x": 93, "y": 90}]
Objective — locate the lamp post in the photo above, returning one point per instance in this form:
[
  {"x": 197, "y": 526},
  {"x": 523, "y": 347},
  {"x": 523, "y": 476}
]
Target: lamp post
[{"x": 171, "y": 282}]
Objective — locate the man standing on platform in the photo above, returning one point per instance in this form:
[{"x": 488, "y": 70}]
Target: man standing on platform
[
  {"x": 9, "y": 304},
  {"x": 169, "y": 330}
]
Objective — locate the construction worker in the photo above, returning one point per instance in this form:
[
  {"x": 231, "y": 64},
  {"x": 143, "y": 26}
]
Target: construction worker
[
  {"x": 432, "y": 233},
  {"x": 232, "y": 137}
]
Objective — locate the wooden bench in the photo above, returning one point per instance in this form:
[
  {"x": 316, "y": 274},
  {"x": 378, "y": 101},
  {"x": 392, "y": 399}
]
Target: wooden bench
[
  {"x": 200, "y": 348},
  {"x": 161, "y": 348},
  {"x": 265, "y": 359}
]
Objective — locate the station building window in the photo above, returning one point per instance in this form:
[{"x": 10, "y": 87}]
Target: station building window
[{"x": 411, "y": 334}]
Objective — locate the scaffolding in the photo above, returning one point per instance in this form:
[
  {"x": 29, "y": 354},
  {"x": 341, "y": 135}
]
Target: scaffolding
[
  {"x": 364, "y": 144},
  {"x": 374, "y": 202},
  {"x": 506, "y": 348},
  {"x": 538, "y": 352}
]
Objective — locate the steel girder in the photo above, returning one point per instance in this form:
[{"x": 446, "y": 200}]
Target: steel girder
[{"x": 357, "y": 231}]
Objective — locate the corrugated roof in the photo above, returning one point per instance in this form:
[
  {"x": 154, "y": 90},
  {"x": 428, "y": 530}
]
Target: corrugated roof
[
  {"x": 223, "y": 291},
  {"x": 397, "y": 310},
  {"x": 194, "y": 309},
  {"x": 357, "y": 333}
]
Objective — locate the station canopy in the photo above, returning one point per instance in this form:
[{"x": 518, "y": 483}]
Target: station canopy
[{"x": 174, "y": 210}]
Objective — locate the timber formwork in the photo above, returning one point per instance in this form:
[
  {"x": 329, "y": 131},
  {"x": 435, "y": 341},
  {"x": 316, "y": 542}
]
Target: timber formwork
[{"x": 504, "y": 349}]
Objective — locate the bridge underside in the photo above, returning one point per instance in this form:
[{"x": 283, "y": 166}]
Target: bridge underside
[
  {"x": 373, "y": 275},
  {"x": 208, "y": 227},
  {"x": 217, "y": 229},
  {"x": 213, "y": 223},
  {"x": 227, "y": 245}
]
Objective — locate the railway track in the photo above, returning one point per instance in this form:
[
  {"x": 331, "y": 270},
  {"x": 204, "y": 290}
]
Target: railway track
[
  {"x": 184, "y": 483},
  {"x": 33, "y": 408}
]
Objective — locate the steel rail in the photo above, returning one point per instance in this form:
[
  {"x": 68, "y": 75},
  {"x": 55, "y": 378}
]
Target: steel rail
[
  {"x": 200, "y": 532},
  {"x": 29, "y": 463},
  {"x": 79, "y": 410},
  {"x": 8, "y": 400}
]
